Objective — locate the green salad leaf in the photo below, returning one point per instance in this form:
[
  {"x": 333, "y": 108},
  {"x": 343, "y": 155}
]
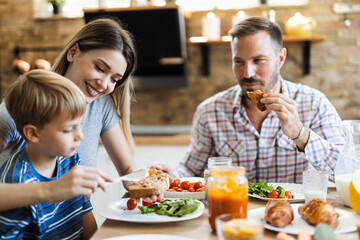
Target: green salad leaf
[
  {"x": 260, "y": 189},
  {"x": 173, "y": 208},
  {"x": 263, "y": 189}
]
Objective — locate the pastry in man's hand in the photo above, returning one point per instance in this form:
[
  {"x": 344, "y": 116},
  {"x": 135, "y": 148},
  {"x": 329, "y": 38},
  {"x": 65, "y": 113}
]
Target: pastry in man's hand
[
  {"x": 319, "y": 211},
  {"x": 279, "y": 213},
  {"x": 256, "y": 96}
]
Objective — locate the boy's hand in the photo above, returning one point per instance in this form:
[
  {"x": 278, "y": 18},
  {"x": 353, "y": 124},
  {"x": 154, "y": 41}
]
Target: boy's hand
[{"x": 80, "y": 180}]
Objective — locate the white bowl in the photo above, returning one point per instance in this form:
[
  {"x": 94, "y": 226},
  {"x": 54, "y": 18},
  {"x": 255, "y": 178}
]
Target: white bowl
[{"x": 196, "y": 195}]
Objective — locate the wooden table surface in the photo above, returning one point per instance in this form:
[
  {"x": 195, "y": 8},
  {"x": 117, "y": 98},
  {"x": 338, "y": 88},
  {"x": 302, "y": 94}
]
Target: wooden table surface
[{"x": 199, "y": 228}]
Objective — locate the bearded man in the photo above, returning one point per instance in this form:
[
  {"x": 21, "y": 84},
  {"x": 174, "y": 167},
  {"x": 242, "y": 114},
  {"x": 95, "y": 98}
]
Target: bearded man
[{"x": 299, "y": 130}]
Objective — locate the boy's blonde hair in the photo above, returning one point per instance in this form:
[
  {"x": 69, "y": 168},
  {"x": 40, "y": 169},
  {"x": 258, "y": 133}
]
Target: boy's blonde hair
[{"x": 38, "y": 96}]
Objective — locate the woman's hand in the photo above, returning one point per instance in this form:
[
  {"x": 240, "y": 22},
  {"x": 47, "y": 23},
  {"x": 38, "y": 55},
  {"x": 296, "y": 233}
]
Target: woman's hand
[{"x": 80, "y": 180}]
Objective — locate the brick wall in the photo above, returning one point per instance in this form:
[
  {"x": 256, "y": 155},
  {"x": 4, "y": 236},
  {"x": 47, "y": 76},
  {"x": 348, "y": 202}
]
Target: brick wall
[
  {"x": 335, "y": 62},
  {"x": 39, "y": 38}
]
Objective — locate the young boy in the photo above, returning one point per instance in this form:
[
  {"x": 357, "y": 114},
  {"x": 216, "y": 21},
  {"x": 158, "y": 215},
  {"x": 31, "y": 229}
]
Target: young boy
[{"x": 48, "y": 110}]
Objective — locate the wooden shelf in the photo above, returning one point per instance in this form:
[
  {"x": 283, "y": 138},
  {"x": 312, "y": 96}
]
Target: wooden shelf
[
  {"x": 313, "y": 38},
  {"x": 204, "y": 44}
]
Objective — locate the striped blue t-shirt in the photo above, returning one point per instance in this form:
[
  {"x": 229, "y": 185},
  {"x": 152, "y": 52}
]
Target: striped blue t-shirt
[{"x": 62, "y": 220}]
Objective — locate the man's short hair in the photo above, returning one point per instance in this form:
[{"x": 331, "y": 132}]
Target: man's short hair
[
  {"x": 38, "y": 96},
  {"x": 251, "y": 25}
]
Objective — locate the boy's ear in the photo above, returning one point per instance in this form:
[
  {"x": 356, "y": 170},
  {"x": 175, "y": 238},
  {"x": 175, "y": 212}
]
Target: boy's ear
[{"x": 31, "y": 133}]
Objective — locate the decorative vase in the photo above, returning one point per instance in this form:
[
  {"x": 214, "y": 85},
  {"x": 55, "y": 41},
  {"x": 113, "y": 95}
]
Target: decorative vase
[{"x": 300, "y": 25}]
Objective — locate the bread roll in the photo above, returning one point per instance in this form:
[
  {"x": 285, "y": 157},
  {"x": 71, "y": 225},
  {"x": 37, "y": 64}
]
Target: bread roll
[
  {"x": 256, "y": 96},
  {"x": 154, "y": 184}
]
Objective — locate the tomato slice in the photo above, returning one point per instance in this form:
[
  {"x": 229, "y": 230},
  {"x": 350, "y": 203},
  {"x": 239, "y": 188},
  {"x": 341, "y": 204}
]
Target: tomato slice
[
  {"x": 147, "y": 203},
  {"x": 288, "y": 194},
  {"x": 200, "y": 190},
  {"x": 273, "y": 194}
]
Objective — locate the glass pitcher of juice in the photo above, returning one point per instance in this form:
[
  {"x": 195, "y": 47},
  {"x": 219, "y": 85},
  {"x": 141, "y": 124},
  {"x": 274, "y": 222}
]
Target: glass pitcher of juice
[{"x": 227, "y": 192}]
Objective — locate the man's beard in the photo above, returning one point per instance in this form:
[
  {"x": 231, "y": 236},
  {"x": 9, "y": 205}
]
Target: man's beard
[
  {"x": 272, "y": 80},
  {"x": 269, "y": 86}
]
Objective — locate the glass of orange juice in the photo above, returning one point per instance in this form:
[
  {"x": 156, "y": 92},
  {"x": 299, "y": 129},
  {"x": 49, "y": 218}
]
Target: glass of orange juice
[{"x": 227, "y": 192}]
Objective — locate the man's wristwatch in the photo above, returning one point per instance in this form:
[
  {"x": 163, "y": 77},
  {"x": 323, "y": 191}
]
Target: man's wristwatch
[{"x": 302, "y": 130}]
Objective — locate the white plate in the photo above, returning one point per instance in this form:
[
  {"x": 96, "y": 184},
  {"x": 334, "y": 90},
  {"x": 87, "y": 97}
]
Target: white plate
[
  {"x": 117, "y": 210},
  {"x": 196, "y": 195},
  {"x": 295, "y": 189},
  {"x": 346, "y": 221},
  {"x": 149, "y": 237}
]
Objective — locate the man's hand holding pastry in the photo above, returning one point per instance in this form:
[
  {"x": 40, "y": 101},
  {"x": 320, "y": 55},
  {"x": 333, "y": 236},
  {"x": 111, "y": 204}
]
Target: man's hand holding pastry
[{"x": 286, "y": 110}]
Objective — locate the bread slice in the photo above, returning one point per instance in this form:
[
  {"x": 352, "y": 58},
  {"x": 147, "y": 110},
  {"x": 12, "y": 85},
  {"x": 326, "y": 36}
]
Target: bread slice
[
  {"x": 256, "y": 96},
  {"x": 154, "y": 184}
]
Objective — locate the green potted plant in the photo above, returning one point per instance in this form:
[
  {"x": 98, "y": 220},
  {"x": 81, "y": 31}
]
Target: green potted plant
[{"x": 56, "y": 5}]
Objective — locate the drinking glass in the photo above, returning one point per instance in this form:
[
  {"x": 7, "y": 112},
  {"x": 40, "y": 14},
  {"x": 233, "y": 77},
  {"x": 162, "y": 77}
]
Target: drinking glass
[
  {"x": 349, "y": 159},
  {"x": 315, "y": 184}
]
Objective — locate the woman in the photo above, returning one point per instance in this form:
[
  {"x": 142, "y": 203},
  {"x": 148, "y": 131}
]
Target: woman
[{"x": 99, "y": 59}]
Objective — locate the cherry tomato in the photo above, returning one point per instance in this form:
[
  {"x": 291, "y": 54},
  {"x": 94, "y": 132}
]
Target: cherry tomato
[
  {"x": 200, "y": 190},
  {"x": 170, "y": 190},
  {"x": 191, "y": 189},
  {"x": 179, "y": 190},
  {"x": 175, "y": 188},
  {"x": 131, "y": 204},
  {"x": 192, "y": 185},
  {"x": 175, "y": 183},
  {"x": 273, "y": 194},
  {"x": 288, "y": 194},
  {"x": 185, "y": 185},
  {"x": 147, "y": 203},
  {"x": 198, "y": 185},
  {"x": 185, "y": 190}
]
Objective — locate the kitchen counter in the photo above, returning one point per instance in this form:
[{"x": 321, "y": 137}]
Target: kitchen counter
[
  {"x": 161, "y": 134},
  {"x": 179, "y": 139}
]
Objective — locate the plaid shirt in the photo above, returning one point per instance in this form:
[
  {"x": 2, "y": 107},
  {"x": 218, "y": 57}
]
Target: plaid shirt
[{"x": 221, "y": 127}]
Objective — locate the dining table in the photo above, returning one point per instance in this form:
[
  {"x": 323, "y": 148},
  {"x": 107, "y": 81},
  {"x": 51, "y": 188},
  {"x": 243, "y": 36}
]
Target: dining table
[{"x": 199, "y": 228}]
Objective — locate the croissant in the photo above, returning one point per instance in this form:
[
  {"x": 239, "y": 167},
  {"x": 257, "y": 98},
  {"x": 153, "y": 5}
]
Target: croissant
[
  {"x": 319, "y": 211},
  {"x": 278, "y": 213}
]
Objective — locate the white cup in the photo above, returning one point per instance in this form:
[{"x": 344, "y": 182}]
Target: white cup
[{"x": 315, "y": 185}]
